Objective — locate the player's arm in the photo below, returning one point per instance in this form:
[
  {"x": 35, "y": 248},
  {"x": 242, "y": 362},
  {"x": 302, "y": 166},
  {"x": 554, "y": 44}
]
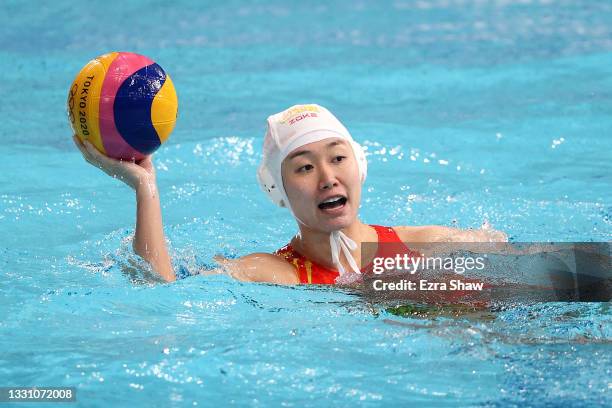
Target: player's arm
[{"x": 149, "y": 241}]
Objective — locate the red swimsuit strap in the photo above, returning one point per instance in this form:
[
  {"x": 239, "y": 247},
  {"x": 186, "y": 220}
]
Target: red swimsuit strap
[
  {"x": 386, "y": 234},
  {"x": 310, "y": 272}
]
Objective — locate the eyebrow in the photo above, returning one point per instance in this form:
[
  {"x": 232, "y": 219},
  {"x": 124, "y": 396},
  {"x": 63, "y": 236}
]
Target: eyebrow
[{"x": 303, "y": 152}]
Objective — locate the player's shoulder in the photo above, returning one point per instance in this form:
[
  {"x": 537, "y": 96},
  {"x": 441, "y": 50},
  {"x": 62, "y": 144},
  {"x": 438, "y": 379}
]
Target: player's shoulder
[
  {"x": 424, "y": 233},
  {"x": 438, "y": 233},
  {"x": 262, "y": 267}
]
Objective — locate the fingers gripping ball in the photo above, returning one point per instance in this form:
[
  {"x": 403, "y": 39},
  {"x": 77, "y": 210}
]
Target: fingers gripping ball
[{"x": 124, "y": 104}]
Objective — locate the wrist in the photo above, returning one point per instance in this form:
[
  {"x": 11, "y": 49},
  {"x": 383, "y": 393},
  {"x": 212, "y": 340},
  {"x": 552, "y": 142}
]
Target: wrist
[{"x": 146, "y": 187}]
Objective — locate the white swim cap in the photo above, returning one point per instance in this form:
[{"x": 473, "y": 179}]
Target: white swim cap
[
  {"x": 289, "y": 130},
  {"x": 292, "y": 129}
]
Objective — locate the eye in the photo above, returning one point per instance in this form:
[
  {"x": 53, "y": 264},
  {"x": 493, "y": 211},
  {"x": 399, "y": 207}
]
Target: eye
[
  {"x": 304, "y": 168},
  {"x": 338, "y": 159}
]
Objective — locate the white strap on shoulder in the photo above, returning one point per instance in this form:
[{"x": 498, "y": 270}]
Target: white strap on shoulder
[{"x": 339, "y": 241}]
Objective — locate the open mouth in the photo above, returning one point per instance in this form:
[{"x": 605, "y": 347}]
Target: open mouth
[{"x": 333, "y": 202}]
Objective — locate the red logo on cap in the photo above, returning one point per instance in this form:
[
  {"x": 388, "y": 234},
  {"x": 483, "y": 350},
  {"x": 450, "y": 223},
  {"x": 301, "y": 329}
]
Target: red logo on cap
[{"x": 302, "y": 116}]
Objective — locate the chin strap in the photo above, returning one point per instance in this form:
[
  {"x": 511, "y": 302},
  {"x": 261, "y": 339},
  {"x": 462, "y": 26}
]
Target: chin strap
[{"x": 339, "y": 241}]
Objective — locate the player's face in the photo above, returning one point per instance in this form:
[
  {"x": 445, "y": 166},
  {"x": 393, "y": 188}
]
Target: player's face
[{"x": 322, "y": 182}]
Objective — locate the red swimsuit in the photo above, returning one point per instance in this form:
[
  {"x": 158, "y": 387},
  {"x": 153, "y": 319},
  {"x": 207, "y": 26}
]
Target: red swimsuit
[{"x": 310, "y": 272}]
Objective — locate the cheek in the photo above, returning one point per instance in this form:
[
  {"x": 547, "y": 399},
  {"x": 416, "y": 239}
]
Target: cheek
[
  {"x": 352, "y": 174},
  {"x": 296, "y": 189},
  {"x": 356, "y": 190},
  {"x": 354, "y": 183}
]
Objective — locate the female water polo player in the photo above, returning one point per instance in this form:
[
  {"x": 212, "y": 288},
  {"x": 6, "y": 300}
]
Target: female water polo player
[{"x": 312, "y": 166}]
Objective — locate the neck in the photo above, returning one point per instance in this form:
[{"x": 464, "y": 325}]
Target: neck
[{"x": 314, "y": 244}]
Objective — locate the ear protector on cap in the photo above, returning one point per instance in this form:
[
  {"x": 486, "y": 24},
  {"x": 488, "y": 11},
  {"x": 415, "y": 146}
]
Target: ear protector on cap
[
  {"x": 268, "y": 185},
  {"x": 275, "y": 190}
]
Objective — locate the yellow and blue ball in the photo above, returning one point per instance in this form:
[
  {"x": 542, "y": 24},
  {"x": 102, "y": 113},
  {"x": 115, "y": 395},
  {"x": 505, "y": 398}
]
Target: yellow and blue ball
[{"x": 124, "y": 104}]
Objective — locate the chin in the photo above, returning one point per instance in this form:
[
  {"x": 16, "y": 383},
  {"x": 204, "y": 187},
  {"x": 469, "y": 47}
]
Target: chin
[{"x": 337, "y": 223}]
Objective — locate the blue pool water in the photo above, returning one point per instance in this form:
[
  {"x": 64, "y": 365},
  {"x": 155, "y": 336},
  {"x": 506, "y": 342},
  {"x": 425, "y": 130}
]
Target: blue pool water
[{"x": 470, "y": 111}]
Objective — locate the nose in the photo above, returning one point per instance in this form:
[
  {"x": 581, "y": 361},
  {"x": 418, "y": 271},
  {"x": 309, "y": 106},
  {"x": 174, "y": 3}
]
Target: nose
[{"x": 327, "y": 178}]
